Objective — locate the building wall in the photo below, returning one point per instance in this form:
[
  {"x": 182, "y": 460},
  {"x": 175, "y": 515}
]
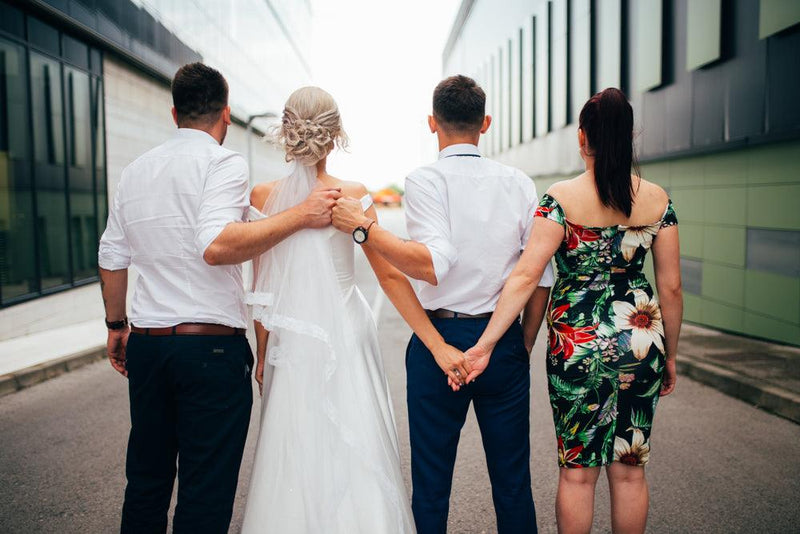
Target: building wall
[
  {"x": 716, "y": 122},
  {"x": 137, "y": 109}
]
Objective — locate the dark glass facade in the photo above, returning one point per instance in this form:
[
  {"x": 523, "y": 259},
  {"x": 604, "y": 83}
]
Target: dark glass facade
[{"x": 52, "y": 158}]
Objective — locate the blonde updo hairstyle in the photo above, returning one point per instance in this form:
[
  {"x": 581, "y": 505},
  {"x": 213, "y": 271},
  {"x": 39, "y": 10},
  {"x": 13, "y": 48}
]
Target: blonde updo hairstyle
[{"x": 311, "y": 126}]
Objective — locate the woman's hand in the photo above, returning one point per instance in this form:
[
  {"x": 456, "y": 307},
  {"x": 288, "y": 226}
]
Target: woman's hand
[
  {"x": 669, "y": 379},
  {"x": 260, "y": 376},
  {"x": 478, "y": 358}
]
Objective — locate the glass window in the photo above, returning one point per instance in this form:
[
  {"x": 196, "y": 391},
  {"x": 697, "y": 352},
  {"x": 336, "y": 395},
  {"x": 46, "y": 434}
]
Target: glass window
[
  {"x": 48, "y": 135},
  {"x": 558, "y": 70},
  {"x": 648, "y": 44},
  {"x": 777, "y": 15},
  {"x": 704, "y": 22},
  {"x": 99, "y": 138},
  {"x": 580, "y": 56},
  {"x": 75, "y": 51},
  {"x": 82, "y": 212},
  {"x": 608, "y": 44},
  {"x": 17, "y": 250},
  {"x": 43, "y": 36},
  {"x": 542, "y": 85},
  {"x": 53, "y": 200},
  {"x": 12, "y": 20},
  {"x": 502, "y": 129}
]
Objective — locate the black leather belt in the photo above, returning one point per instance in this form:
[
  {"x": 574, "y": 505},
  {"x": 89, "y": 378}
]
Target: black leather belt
[{"x": 447, "y": 314}]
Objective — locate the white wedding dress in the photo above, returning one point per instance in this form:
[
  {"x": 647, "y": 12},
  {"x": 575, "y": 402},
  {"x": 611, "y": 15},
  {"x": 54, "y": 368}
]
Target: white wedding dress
[{"x": 327, "y": 456}]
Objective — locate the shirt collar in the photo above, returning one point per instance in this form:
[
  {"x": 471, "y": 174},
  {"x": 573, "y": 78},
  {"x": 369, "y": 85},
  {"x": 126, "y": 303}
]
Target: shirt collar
[
  {"x": 459, "y": 149},
  {"x": 191, "y": 133}
]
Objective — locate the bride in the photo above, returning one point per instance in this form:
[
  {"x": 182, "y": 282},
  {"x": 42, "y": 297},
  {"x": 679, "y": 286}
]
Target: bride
[{"x": 327, "y": 456}]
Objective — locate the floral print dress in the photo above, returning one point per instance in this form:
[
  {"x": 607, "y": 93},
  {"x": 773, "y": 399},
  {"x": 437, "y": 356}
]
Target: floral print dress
[{"x": 605, "y": 356}]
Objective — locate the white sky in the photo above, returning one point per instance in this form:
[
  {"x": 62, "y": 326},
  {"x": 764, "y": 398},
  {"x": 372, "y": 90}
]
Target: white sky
[{"x": 381, "y": 59}]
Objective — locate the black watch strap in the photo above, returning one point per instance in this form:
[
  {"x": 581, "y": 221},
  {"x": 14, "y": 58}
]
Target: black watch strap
[{"x": 117, "y": 325}]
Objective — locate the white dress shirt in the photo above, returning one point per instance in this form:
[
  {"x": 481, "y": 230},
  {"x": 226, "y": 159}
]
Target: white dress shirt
[
  {"x": 475, "y": 216},
  {"x": 171, "y": 203}
]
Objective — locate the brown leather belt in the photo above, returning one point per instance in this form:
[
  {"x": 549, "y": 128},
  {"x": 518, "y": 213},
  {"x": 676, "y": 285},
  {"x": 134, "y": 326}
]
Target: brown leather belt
[
  {"x": 447, "y": 314},
  {"x": 190, "y": 329}
]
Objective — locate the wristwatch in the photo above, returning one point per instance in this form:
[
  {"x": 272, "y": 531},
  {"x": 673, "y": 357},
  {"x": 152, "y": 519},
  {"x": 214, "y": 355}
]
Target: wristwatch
[
  {"x": 360, "y": 234},
  {"x": 117, "y": 325}
]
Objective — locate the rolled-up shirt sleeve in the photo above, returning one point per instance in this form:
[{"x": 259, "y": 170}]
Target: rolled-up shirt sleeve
[
  {"x": 224, "y": 199},
  {"x": 427, "y": 223},
  {"x": 114, "y": 252},
  {"x": 548, "y": 276}
]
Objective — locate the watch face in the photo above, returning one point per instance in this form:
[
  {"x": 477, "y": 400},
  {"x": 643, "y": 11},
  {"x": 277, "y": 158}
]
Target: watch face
[{"x": 359, "y": 235}]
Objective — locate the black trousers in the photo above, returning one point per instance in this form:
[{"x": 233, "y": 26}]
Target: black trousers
[
  {"x": 501, "y": 398},
  {"x": 190, "y": 401}
]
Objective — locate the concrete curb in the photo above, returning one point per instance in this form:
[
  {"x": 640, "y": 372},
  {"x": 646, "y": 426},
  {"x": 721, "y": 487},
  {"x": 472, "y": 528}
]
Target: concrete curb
[
  {"x": 764, "y": 396},
  {"x": 755, "y": 392},
  {"x": 36, "y": 374}
]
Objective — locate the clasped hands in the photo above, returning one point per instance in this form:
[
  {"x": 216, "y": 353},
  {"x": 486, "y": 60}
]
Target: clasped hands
[
  {"x": 325, "y": 206},
  {"x": 461, "y": 368}
]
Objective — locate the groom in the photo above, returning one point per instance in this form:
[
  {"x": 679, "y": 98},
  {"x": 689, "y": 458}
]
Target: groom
[
  {"x": 178, "y": 218},
  {"x": 468, "y": 217}
]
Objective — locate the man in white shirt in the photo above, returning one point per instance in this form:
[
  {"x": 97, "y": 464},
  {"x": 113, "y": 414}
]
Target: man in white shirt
[
  {"x": 178, "y": 217},
  {"x": 469, "y": 218}
]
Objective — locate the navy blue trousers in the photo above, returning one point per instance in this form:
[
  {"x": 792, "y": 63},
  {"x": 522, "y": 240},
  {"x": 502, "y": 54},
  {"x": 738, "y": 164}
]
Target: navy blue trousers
[
  {"x": 436, "y": 414},
  {"x": 190, "y": 401}
]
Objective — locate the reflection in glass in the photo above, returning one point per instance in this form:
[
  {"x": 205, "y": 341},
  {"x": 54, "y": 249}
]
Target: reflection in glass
[
  {"x": 17, "y": 246},
  {"x": 48, "y": 135},
  {"x": 83, "y": 226},
  {"x": 99, "y": 138}
]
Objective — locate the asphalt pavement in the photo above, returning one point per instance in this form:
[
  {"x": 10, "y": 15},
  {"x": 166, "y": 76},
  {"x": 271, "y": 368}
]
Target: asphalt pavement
[{"x": 717, "y": 464}]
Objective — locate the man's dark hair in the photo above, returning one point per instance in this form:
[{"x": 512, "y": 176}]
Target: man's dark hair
[
  {"x": 199, "y": 94},
  {"x": 459, "y": 104}
]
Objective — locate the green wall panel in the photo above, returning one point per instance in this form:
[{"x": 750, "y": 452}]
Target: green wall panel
[
  {"x": 773, "y": 295},
  {"x": 692, "y": 308},
  {"x": 723, "y": 316},
  {"x": 688, "y": 205},
  {"x": 686, "y": 173},
  {"x": 724, "y": 244},
  {"x": 725, "y": 205},
  {"x": 691, "y": 237},
  {"x": 727, "y": 168},
  {"x": 717, "y": 197},
  {"x": 768, "y": 328},
  {"x": 657, "y": 173},
  {"x": 773, "y": 164},
  {"x": 723, "y": 283},
  {"x": 774, "y": 206}
]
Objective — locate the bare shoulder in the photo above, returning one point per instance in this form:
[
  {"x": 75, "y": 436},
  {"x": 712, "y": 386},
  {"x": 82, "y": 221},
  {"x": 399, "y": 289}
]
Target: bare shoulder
[
  {"x": 260, "y": 193},
  {"x": 562, "y": 188},
  {"x": 650, "y": 192},
  {"x": 352, "y": 189}
]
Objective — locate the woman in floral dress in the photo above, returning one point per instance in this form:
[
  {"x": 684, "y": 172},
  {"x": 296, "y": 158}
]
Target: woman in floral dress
[{"x": 612, "y": 345}]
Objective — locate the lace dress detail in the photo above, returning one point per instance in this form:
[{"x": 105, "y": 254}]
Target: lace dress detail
[{"x": 327, "y": 458}]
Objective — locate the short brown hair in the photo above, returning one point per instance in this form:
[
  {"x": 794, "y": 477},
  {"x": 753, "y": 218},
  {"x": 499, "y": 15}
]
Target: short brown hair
[
  {"x": 459, "y": 104},
  {"x": 199, "y": 94}
]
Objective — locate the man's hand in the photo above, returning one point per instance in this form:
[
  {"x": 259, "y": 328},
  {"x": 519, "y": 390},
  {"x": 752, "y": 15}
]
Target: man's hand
[
  {"x": 452, "y": 362},
  {"x": 115, "y": 347},
  {"x": 670, "y": 377},
  {"x": 348, "y": 214},
  {"x": 478, "y": 359},
  {"x": 316, "y": 208}
]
